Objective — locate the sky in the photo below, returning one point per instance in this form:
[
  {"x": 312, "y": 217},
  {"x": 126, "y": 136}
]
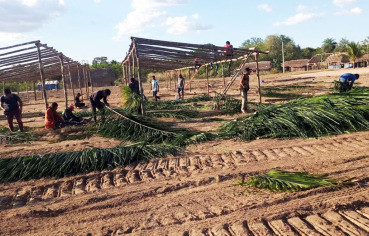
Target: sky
[{"x": 84, "y": 29}]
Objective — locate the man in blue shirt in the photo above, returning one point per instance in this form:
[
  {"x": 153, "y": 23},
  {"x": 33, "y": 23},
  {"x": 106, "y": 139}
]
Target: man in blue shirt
[
  {"x": 348, "y": 80},
  {"x": 12, "y": 105}
]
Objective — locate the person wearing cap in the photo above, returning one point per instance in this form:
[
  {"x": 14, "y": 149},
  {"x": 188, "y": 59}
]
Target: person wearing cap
[
  {"x": 69, "y": 117},
  {"x": 95, "y": 100},
  {"x": 347, "y": 80},
  {"x": 181, "y": 86},
  {"x": 244, "y": 88},
  {"x": 12, "y": 105},
  {"x": 155, "y": 88}
]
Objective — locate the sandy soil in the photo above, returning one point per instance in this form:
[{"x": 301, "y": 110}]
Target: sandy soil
[{"x": 194, "y": 193}]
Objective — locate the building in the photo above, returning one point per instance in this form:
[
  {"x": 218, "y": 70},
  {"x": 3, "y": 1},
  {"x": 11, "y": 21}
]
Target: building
[
  {"x": 264, "y": 66},
  {"x": 296, "y": 65}
]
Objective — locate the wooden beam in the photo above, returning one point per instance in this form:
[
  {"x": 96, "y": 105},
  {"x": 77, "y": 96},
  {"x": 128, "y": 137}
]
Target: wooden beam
[
  {"x": 258, "y": 76},
  {"x": 63, "y": 79},
  {"x": 71, "y": 82},
  {"x": 89, "y": 76},
  {"x": 143, "y": 112},
  {"x": 34, "y": 90},
  {"x": 42, "y": 76},
  {"x": 79, "y": 81}
]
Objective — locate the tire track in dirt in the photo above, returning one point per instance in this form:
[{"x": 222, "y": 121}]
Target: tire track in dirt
[{"x": 163, "y": 168}]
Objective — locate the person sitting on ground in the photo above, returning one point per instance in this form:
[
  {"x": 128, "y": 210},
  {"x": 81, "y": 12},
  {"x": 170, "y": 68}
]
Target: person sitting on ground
[
  {"x": 181, "y": 86},
  {"x": 12, "y": 105},
  {"x": 78, "y": 102},
  {"x": 244, "y": 88},
  {"x": 155, "y": 88},
  {"x": 52, "y": 119},
  {"x": 69, "y": 117},
  {"x": 134, "y": 86},
  {"x": 95, "y": 100},
  {"x": 197, "y": 63},
  {"x": 228, "y": 53},
  {"x": 348, "y": 81}
]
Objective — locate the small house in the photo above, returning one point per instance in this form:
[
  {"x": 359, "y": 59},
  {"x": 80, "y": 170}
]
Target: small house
[
  {"x": 296, "y": 65},
  {"x": 264, "y": 66}
]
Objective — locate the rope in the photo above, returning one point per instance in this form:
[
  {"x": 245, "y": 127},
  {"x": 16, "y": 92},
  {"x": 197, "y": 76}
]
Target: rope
[{"x": 137, "y": 123}]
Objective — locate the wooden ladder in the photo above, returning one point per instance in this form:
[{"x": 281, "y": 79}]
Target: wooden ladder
[{"x": 238, "y": 71}]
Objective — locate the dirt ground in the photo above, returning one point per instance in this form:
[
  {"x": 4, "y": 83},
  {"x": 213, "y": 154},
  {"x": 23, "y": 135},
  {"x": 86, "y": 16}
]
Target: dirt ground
[{"x": 195, "y": 193}]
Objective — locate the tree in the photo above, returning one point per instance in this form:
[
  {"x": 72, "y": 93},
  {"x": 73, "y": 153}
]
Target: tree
[
  {"x": 342, "y": 45},
  {"x": 355, "y": 51},
  {"x": 329, "y": 44},
  {"x": 253, "y": 42},
  {"x": 308, "y": 53}
]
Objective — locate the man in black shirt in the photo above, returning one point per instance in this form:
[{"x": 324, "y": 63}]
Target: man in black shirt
[
  {"x": 77, "y": 101},
  {"x": 134, "y": 86},
  {"x": 95, "y": 100},
  {"x": 12, "y": 105},
  {"x": 68, "y": 116}
]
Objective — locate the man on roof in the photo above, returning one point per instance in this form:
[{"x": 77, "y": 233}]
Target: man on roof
[
  {"x": 347, "y": 80},
  {"x": 228, "y": 53}
]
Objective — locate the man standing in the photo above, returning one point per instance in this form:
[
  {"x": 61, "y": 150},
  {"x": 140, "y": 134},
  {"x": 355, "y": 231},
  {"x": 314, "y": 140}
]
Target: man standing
[
  {"x": 95, "y": 100},
  {"x": 244, "y": 88},
  {"x": 12, "y": 104},
  {"x": 347, "y": 81},
  {"x": 181, "y": 85},
  {"x": 134, "y": 86},
  {"x": 155, "y": 88}
]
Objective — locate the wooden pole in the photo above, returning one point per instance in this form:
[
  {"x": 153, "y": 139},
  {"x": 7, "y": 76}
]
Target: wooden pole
[
  {"x": 129, "y": 68},
  {"x": 27, "y": 91},
  {"x": 63, "y": 79},
  {"x": 42, "y": 74},
  {"x": 84, "y": 79},
  {"x": 207, "y": 80},
  {"x": 140, "y": 83},
  {"x": 124, "y": 75},
  {"x": 133, "y": 65},
  {"x": 79, "y": 80},
  {"x": 18, "y": 88},
  {"x": 71, "y": 82},
  {"x": 224, "y": 82},
  {"x": 170, "y": 79},
  {"x": 258, "y": 75},
  {"x": 34, "y": 90},
  {"x": 89, "y": 76},
  {"x": 189, "y": 77}
]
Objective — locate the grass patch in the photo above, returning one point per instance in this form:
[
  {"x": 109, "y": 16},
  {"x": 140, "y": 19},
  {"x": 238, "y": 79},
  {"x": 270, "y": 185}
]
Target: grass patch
[
  {"x": 8, "y": 137},
  {"x": 279, "y": 180}
]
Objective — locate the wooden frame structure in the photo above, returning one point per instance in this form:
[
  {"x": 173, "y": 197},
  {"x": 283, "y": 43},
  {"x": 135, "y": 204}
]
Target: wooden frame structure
[
  {"x": 174, "y": 56},
  {"x": 33, "y": 61}
]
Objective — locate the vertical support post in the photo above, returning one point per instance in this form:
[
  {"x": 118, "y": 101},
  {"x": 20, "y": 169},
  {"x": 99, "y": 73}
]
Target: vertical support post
[
  {"x": 133, "y": 64},
  {"x": 129, "y": 67},
  {"x": 89, "y": 75},
  {"x": 282, "y": 56},
  {"x": 63, "y": 79},
  {"x": 85, "y": 80},
  {"x": 71, "y": 82},
  {"x": 140, "y": 83},
  {"x": 189, "y": 77},
  {"x": 170, "y": 79},
  {"x": 258, "y": 75},
  {"x": 42, "y": 74},
  {"x": 34, "y": 90},
  {"x": 224, "y": 83},
  {"x": 79, "y": 80},
  {"x": 18, "y": 88},
  {"x": 27, "y": 90},
  {"x": 124, "y": 75},
  {"x": 207, "y": 79}
]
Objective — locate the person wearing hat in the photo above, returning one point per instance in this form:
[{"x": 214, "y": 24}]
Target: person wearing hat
[
  {"x": 69, "y": 117},
  {"x": 244, "y": 88},
  {"x": 181, "y": 85},
  {"x": 347, "y": 80}
]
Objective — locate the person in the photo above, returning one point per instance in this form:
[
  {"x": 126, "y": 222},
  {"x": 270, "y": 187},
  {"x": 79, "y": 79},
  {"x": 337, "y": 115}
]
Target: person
[
  {"x": 134, "y": 86},
  {"x": 78, "y": 102},
  {"x": 181, "y": 86},
  {"x": 52, "y": 119},
  {"x": 228, "y": 53},
  {"x": 95, "y": 100},
  {"x": 347, "y": 80},
  {"x": 155, "y": 88},
  {"x": 12, "y": 105},
  {"x": 69, "y": 117},
  {"x": 197, "y": 63},
  {"x": 244, "y": 88}
]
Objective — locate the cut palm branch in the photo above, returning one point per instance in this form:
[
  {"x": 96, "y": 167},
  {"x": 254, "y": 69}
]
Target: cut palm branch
[
  {"x": 184, "y": 114},
  {"x": 310, "y": 117},
  {"x": 176, "y": 104},
  {"x": 279, "y": 180},
  {"x": 78, "y": 162},
  {"x": 130, "y": 100}
]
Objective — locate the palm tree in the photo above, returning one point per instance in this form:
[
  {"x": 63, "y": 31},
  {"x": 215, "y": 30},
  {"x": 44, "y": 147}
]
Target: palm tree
[
  {"x": 329, "y": 45},
  {"x": 355, "y": 51}
]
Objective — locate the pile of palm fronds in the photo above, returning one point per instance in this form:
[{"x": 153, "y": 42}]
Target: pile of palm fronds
[
  {"x": 130, "y": 100},
  {"x": 71, "y": 163},
  {"x": 184, "y": 114},
  {"x": 279, "y": 180},
  {"x": 310, "y": 117},
  {"x": 229, "y": 105}
]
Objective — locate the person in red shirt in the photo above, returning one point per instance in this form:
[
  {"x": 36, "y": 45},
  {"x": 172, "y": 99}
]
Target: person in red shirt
[
  {"x": 228, "y": 53},
  {"x": 52, "y": 119}
]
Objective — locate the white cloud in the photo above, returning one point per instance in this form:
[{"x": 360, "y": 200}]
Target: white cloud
[
  {"x": 304, "y": 8},
  {"x": 344, "y": 3},
  {"x": 97, "y": 1},
  {"x": 22, "y": 16},
  {"x": 181, "y": 25},
  {"x": 195, "y": 16},
  {"x": 10, "y": 37},
  {"x": 265, "y": 7},
  {"x": 298, "y": 18},
  {"x": 353, "y": 11}
]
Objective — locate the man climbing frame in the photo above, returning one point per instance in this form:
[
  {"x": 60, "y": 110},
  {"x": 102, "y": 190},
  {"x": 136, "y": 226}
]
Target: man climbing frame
[
  {"x": 228, "y": 53},
  {"x": 244, "y": 88}
]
